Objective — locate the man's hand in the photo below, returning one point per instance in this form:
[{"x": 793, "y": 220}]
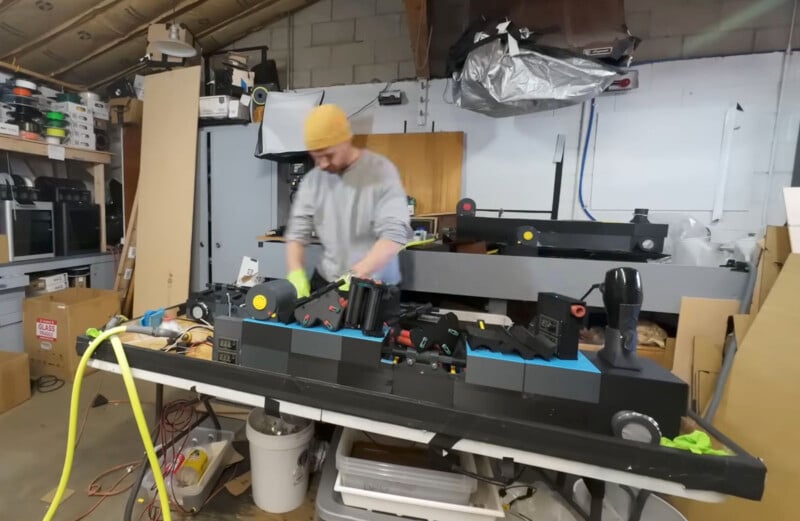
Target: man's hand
[
  {"x": 299, "y": 280},
  {"x": 383, "y": 251}
]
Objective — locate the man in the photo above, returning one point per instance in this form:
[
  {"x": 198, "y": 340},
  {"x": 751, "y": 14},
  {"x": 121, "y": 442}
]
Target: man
[{"x": 355, "y": 202}]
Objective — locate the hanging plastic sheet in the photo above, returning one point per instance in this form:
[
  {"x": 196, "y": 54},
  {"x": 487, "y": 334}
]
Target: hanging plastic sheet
[{"x": 506, "y": 76}]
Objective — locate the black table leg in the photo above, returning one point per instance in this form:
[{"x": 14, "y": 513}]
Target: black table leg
[
  {"x": 637, "y": 506},
  {"x": 597, "y": 491},
  {"x": 159, "y": 403}
]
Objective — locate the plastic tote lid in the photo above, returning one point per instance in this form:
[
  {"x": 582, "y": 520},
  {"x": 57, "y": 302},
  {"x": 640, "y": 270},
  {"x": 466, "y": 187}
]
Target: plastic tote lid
[{"x": 273, "y": 426}]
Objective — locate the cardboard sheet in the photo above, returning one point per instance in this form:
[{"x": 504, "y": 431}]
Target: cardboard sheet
[
  {"x": 699, "y": 317},
  {"x": 706, "y": 364},
  {"x": 166, "y": 189},
  {"x": 773, "y": 254},
  {"x": 759, "y": 409}
]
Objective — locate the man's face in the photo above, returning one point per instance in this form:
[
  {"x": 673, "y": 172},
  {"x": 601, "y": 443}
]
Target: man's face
[{"x": 332, "y": 159}]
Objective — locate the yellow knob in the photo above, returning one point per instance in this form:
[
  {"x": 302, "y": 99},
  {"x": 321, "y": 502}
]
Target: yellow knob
[
  {"x": 259, "y": 302},
  {"x": 528, "y": 235}
]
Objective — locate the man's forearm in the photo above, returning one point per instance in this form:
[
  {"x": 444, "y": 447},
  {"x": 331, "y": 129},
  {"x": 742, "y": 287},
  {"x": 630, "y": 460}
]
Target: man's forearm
[
  {"x": 381, "y": 253},
  {"x": 295, "y": 256}
]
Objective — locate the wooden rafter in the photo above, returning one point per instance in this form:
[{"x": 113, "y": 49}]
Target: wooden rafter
[
  {"x": 275, "y": 10},
  {"x": 419, "y": 32},
  {"x": 241, "y": 14},
  {"x": 33, "y": 74},
  {"x": 183, "y": 7},
  {"x": 61, "y": 29},
  {"x": 5, "y": 4}
]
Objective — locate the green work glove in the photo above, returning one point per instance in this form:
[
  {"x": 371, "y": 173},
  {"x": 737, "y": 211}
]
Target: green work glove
[
  {"x": 300, "y": 282},
  {"x": 346, "y": 286}
]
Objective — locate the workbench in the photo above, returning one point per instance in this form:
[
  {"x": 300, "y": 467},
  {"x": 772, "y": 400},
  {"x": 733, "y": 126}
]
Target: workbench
[{"x": 563, "y": 450}]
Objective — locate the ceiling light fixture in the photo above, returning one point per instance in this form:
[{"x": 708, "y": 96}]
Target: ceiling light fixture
[
  {"x": 178, "y": 43},
  {"x": 175, "y": 45}
]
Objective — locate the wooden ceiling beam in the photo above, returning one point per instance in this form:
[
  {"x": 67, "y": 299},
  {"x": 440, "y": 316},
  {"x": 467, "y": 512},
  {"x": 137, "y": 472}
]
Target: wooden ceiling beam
[
  {"x": 420, "y": 34},
  {"x": 16, "y": 69},
  {"x": 181, "y": 8},
  {"x": 5, "y": 4},
  {"x": 282, "y": 8},
  {"x": 241, "y": 14},
  {"x": 61, "y": 29}
]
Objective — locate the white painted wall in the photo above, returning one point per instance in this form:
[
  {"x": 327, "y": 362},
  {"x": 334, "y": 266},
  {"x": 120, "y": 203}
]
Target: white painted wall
[{"x": 508, "y": 161}]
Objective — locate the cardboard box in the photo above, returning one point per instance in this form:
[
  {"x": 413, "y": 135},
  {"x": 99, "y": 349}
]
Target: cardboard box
[
  {"x": 706, "y": 317},
  {"x": 126, "y": 110},
  {"x": 79, "y": 127},
  {"x": 238, "y": 111},
  {"x": 774, "y": 252},
  {"x": 81, "y": 140},
  {"x": 15, "y": 380},
  {"x": 74, "y": 111},
  {"x": 99, "y": 110},
  {"x": 51, "y": 283},
  {"x": 660, "y": 355},
  {"x": 759, "y": 406},
  {"x": 52, "y": 322},
  {"x": 214, "y": 106}
]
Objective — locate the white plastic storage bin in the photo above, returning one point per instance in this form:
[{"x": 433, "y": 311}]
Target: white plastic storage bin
[
  {"x": 401, "y": 480},
  {"x": 218, "y": 445},
  {"x": 484, "y": 504}
]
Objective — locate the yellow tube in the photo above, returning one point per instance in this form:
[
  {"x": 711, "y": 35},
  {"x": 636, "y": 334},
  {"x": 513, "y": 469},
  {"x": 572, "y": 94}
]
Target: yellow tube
[
  {"x": 137, "y": 411},
  {"x": 141, "y": 422}
]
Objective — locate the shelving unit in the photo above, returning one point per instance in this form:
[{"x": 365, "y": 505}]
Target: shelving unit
[{"x": 98, "y": 160}]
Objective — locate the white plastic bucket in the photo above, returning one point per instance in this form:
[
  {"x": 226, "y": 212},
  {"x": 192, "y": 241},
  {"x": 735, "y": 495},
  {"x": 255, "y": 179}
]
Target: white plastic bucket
[
  {"x": 279, "y": 465},
  {"x": 617, "y": 504}
]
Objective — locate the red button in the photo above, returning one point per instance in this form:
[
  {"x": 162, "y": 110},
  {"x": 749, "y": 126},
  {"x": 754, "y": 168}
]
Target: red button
[{"x": 467, "y": 206}]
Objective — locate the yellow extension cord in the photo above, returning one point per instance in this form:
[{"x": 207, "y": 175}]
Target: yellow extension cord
[{"x": 138, "y": 414}]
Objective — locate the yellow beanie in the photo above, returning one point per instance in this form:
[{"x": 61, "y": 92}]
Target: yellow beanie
[{"x": 327, "y": 126}]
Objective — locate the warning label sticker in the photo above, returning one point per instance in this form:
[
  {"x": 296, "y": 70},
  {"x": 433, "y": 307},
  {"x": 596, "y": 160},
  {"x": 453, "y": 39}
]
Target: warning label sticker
[{"x": 46, "y": 329}]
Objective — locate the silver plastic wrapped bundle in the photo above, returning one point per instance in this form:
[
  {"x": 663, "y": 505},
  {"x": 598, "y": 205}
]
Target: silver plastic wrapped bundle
[{"x": 502, "y": 80}]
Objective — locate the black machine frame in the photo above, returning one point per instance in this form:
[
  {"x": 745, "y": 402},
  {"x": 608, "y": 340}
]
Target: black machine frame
[{"x": 739, "y": 475}]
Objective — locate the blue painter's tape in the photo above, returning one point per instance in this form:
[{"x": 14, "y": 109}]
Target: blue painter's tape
[
  {"x": 581, "y": 364},
  {"x": 347, "y": 333}
]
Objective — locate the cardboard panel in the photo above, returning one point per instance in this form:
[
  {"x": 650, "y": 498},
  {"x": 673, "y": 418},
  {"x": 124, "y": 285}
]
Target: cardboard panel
[
  {"x": 759, "y": 409},
  {"x": 706, "y": 365},
  {"x": 15, "y": 384},
  {"x": 166, "y": 189},
  {"x": 430, "y": 165},
  {"x": 773, "y": 254},
  {"x": 699, "y": 317}
]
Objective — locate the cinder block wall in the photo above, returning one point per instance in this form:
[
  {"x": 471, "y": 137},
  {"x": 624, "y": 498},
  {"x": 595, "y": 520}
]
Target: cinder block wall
[
  {"x": 339, "y": 42},
  {"x": 674, "y": 29}
]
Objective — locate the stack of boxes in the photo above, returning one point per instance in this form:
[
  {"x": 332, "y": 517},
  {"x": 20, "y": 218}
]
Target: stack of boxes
[
  {"x": 86, "y": 122},
  {"x": 80, "y": 125}
]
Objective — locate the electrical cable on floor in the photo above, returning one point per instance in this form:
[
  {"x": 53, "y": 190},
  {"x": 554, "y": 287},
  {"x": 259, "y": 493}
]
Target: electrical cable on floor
[
  {"x": 583, "y": 161},
  {"x": 48, "y": 383}
]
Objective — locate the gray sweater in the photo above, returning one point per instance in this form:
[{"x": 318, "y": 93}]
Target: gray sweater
[{"x": 350, "y": 212}]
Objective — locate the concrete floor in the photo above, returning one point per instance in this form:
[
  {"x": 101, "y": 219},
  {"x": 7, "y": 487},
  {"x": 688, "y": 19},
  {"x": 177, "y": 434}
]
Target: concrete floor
[{"x": 34, "y": 438}]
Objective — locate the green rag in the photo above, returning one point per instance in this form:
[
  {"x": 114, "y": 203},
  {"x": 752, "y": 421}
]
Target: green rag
[{"x": 698, "y": 442}]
